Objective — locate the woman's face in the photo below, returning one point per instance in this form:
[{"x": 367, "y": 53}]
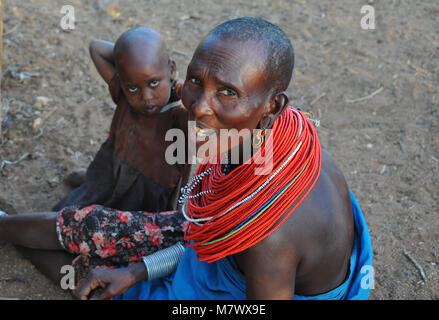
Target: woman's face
[{"x": 225, "y": 88}]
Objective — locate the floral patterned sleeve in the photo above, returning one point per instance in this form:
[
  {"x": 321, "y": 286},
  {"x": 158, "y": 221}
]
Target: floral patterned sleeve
[{"x": 108, "y": 238}]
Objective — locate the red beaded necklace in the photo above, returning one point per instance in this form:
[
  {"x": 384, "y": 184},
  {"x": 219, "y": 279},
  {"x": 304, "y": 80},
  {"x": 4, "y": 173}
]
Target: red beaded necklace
[{"x": 237, "y": 210}]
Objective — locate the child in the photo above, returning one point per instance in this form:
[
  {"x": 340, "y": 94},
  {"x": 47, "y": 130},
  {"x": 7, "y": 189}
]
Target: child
[{"x": 130, "y": 172}]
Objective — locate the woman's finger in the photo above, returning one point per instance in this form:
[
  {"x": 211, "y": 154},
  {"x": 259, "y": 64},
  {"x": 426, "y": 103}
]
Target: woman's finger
[
  {"x": 103, "y": 294},
  {"x": 86, "y": 286}
]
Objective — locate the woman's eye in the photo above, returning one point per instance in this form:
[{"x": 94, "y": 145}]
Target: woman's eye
[
  {"x": 194, "y": 80},
  {"x": 133, "y": 89},
  {"x": 154, "y": 83},
  {"x": 228, "y": 92}
]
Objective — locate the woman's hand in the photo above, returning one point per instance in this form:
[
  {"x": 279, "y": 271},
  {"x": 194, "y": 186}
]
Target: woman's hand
[{"x": 113, "y": 281}]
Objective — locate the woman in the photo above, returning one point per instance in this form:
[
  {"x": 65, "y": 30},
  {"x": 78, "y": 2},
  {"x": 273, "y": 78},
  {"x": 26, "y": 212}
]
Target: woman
[{"x": 243, "y": 240}]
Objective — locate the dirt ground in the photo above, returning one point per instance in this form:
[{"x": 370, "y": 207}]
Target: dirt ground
[{"x": 375, "y": 93}]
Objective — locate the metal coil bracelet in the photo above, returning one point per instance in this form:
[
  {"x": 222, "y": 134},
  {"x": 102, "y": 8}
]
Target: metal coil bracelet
[{"x": 162, "y": 263}]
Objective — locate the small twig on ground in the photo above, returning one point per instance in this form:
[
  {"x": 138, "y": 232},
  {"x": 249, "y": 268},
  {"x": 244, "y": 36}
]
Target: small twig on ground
[
  {"x": 389, "y": 163},
  {"x": 11, "y": 279},
  {"x": 89, "y": 100},
  {"x": 366, "y": 97},
  {"x": 48, "y": 114},
  {"x": 318, "y": 98},
  {"x": 5, "y": 162},
  {"x": 180, "y": 53},
  {"x": 435, "y": 159},
  {"x": 20, "y": 76},
  {"x": 417, "y": 265},
  {"x": 431, "y": 40},
  {"x": 12, "y": 29},
  {"x": 39, "y": 134},
  {"x": 4, "y": 107},
  {"x": 404, "y": 153}
]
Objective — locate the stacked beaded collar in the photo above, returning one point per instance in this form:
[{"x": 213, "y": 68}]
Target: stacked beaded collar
[{"x": 229, "y": 213}]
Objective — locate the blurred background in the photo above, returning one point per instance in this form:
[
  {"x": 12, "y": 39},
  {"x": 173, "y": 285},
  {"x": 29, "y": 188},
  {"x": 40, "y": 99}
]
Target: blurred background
[{"x": 375, "y": 92}]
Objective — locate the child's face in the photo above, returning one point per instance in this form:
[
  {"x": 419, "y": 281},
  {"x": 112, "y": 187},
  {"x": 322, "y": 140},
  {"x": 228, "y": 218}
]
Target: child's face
[{"x": 146, "y": 84}]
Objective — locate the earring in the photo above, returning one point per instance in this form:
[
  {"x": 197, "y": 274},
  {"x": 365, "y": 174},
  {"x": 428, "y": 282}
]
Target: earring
[{"x": 258, "y": 139}]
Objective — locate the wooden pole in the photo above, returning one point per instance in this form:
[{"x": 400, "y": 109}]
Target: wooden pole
[
  {"x": 1, "y": 47},
  {"x": 1, "y": 43},
  {"x": 1, "y": 37}
]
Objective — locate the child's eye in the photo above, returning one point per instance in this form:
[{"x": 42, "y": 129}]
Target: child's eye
[
  {"x": 228, "y": 92},
  {"x": 154, "y": 83},
  {"x": 133, "y": 89}
]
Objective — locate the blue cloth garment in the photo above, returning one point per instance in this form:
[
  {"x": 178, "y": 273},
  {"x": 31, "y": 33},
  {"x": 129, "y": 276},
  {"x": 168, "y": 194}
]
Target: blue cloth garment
[
  {"x": 221, "y": 280},
  {"x": 360, "y": 279}
]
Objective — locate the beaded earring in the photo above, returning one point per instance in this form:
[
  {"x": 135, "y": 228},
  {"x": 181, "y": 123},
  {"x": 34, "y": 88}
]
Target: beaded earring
[{"x": 258, "y": 139}]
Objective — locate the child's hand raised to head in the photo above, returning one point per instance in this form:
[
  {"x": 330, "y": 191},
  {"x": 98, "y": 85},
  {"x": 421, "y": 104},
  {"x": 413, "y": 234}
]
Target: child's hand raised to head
[{"x": 101, "y": 53}]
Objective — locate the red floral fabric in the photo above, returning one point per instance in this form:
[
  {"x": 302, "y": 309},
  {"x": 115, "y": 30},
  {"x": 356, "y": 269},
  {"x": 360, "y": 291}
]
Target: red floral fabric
[{"x": 108, "y": 238}]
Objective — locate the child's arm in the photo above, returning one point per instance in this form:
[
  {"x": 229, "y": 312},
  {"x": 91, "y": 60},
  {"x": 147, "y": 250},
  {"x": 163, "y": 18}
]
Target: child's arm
[{"x": 101, "y": 53}]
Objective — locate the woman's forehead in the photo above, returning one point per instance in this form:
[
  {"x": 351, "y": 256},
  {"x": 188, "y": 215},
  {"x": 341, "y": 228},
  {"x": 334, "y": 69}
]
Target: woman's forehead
[{"x": 229, "y": 59}]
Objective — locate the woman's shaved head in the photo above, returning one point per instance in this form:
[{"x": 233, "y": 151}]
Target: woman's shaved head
[{"x": 278, "y": 52}]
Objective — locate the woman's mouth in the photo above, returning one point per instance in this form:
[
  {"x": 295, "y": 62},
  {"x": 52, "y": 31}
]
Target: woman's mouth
[
  {"x": 203, "y": 132},
  {"x": 199, "y": 134}
]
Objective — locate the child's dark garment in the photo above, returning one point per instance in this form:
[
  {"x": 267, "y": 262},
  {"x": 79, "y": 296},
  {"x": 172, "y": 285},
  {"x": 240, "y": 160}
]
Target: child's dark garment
[{"x": 129, "y": 172}]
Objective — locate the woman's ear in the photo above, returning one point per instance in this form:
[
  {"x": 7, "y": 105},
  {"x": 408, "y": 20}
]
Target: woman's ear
[
  {"x": 278, "y": 103},
  {"x": 281, "y": 102}
]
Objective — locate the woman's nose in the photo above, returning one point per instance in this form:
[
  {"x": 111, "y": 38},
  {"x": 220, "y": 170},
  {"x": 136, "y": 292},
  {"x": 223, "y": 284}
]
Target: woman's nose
[{"x": 202, "y": 106}]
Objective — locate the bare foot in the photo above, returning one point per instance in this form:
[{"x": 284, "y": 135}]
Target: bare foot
[{"x": 76, "y": 178}]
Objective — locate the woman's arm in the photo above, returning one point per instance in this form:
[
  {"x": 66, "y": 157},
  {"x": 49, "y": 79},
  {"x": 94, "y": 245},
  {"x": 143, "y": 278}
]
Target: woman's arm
[
  {"x": 270, "y": 270},
  {"x": 115, "y": 282},
  {"x": 101, "y": 53}
]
